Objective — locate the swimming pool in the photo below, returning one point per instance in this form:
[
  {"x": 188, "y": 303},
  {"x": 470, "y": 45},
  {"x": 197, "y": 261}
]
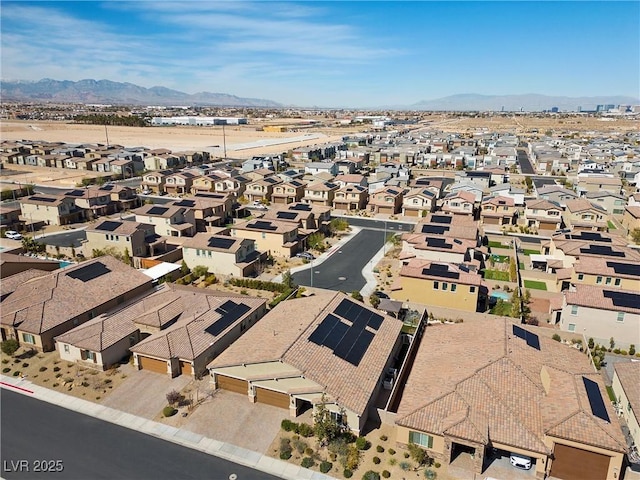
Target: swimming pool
[
  {"x": 64, "y": 263},
  {"x": 501, "y": 295}
]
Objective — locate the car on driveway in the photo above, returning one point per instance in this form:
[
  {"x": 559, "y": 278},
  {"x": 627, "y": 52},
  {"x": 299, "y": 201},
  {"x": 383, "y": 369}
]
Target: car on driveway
[
  {"x": 306, "y": 256},
  {"x": 520, "y": 461},
  {"x": 13, "y": 235},
  {"x": 380, "y": 294},
  {"x": 146, "y": 191}
]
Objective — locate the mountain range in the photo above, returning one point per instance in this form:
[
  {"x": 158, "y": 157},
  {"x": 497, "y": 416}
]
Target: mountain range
[{"x": 117, "y": 93}]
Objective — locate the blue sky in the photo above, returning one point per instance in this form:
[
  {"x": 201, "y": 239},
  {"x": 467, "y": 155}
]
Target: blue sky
[{"x": 357, "y": 53}]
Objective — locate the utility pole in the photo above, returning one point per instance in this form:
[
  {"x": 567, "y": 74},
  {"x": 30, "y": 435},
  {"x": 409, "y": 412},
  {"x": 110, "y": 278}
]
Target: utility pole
[
  {"x": 106, "y": 134},
  {"x": 311, "y": 273},
  {"x": 224, "y": 140}
]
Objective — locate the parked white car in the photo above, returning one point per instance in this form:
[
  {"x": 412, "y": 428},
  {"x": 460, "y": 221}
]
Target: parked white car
[
  {"x": 13, "y": 235},
  {"x": 520, "y": 461}
]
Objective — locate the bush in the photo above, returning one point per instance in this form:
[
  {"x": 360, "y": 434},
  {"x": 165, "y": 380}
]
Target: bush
[
  {"x": 386, "y": 473},
  {"x": 285, "y": 455},
  {"x": 169, "y": 411},
  {"x": 25, "y": 365},
  {"x": 288, "y": 426},
  {"x": 305, "y": 430},
  {"x": 307, "y": 462},
  {"x": 376, "y": 460},
  {"x": 391, "y": 451},
  {"x": 5, "y": 360},
  {"x": 632, "y": 349},
  {"x": 258, "y": 284},
  {"x": 371, "y": 475},
  {"x": 556, "y": 337},
  {"x": 362, "y": 443},
  {"x": 42, "y": 369},
  {"x": 616, "y": 350},
  {"x": 6, "y": 369},
  {"x": 9, "y": 346},
  {"x": 299, "y": 445},
  {"x": 406, "y": 455},
  {"x": 308, "y": 451},
  {"x": 379, "y": 449},
  {"x": 418, "y": 454},
  {"x": 325, "y": 466},
  {"x": 347, "y": 473},
  {"x": 623, "y": 352},
  {"x": 56, "y": 369},
  {"x": 437, "y": 465},
  {"x": 285, "y": 449},
  {"x": 384, "y": 438},
  {"x": 404, "y": 466},
  {"x": 16, "y": 373},
  {"x": 430, "y": 474},
  {"x": 392, "y": 461}
]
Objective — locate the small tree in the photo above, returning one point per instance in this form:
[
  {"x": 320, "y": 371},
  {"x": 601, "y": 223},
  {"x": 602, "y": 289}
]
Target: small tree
[
  {"x": 287, "y": 280},
  {"x": 516, "y": 307},
  {"x": 635, "y": 236},
  {"x": 10, "y": 346},
  {"x": 184, "y": 269},
  {"x": 316, "y": 241},
  {"x": 418, "y": 454},
  {"x": 513, "y": 270},
  {"x": 612, "y": 343},
  {"x": 200, "y": 271},
  {"x": 126, "y": 257},
  {"x": 325, "y": 427},
  {"x": 374, "y": 300},
  {"x": 357, "y": 295},
  {"x": 173, "y": 397}
]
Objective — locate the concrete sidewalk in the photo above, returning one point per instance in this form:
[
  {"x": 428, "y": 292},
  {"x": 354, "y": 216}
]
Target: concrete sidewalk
[{"x": 242, "y": 456}]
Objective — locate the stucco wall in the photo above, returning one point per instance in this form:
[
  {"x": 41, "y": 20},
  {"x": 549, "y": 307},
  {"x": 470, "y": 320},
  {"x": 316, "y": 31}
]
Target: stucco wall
[{"x": 421, "y": 291}]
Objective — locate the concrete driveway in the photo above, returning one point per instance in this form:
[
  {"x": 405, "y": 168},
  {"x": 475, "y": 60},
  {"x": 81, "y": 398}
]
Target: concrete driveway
[
  {"x": 230, "y": 417},
  {"x": 143, "y": 393}
]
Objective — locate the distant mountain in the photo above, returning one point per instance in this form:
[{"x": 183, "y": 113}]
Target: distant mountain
[
  {"x": 116, "y": 93},
  {"x": 527, "y": 102}
]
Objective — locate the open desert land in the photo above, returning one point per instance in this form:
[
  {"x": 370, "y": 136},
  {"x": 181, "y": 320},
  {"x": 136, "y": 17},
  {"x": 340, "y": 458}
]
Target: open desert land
[{"x": 242, "y": 141}]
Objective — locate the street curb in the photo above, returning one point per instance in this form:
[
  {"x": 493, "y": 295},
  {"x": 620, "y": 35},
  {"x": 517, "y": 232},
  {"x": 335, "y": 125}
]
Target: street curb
[{"x": 182, "y": 437}]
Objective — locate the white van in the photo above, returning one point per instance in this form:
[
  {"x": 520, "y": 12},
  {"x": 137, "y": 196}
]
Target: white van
[{"x": 520, "y": 461}]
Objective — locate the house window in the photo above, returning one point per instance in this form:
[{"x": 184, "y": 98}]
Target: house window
[
  {"x": 598, "y": 280},
  {"x": 445, "y": 286},
  {"x": 435, "y": 285},
  {"x": 620, "y": 317},
  {"x": 197, "y": 252},
  {"x": 66, "y": 348},
  {"x": 421, "y": 439},
  {"x": 581, "y": 276},
  {"x": 453, "y": 287},
  {"x": 617, "y": 282},
  {"x": 264, "y": 235},
  {"x": 607, "y": 281},
  {"x": 574, "y": 309},
  {"x": 28, "y": 338},
  {"x": 472, "y": 289},
  {"x": 337, "y": 417},
  {"x": 572, "y": 327},
  {"x": 90, "y": 355}
]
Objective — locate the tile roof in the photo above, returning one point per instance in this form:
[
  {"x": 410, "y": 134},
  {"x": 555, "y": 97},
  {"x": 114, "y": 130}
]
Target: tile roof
[
  {"x": 581, "y": 205},
  {"x": 598, "y": 266},
  {"x": 489, "y": 385},
  {"x": 415, "y": 268},
  {"x": 594, "y": 297},
  {"x": 100, "y": 333},
  {"x": 11, "y": 283},
  {"x": 45, "y": 302},
  {"x": 203, "y": 240},
  {"x": 283, "y": 335}
]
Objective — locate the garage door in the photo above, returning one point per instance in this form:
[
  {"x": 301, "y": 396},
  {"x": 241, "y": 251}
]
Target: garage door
[
  {"x": 575, "y": 464},
  {"x": 185, "y": 368},
  {"x": 411, "y": 213},
  {"x": 270, "y": 397},
  {"x": 232, "y": 384},
  {"x": 385, "y": 210},
  {"x": 159, "y": 366}
]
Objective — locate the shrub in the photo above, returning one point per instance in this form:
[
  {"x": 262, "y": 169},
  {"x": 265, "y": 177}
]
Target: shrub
[
  {"x": 307, "y": 462},
  {"x": 386, "y": 473},
  {"x": 308, "y": 451},
  {"x": 430, "y": 474},
  {"x": 55, "y": 385},
  {"x": 384, "y": 438},
  {"x": 169, "y": 411},
  {"x": 371, "y": 475},
  {"x": 392, "y": 461},
  {"x": 325, "y": 466},
  {"x": 258, "y": 284},
  {"x": 16, "y": 373},
  {"x": 5, "y": 360},
  {"x": 556, "y": 337},
  {"x": 406, "y": 455},
  {"x": 299, "y": 445},
  {"x": 362, "y": 443},
  {"x": 418, "y": 454},
  {"x": 9, "y": 346},
  {"x": 58, "y": 375},
  {"x": 285, "y": 455},
  {"x": 333, "y": 457},
  {"x": 6, "y": 369},
  {"x": 305, "y": 430},
  {"x": 25, "y": 365},
  {"x": 404, "y": 466},
  {"x": 352, "y": 458},
  {"x": 623, "y": 352},
  {"x": 347, "y": 473},
  {"x": 85, "y": 384},
  {"x": 56, "y": 369},
  {"x": 391, "y": 451},
  {"x": 616, "y": 350},
  {"x": 437, "y": 465},
  {"x": 16, "y": 360},
  {"x": 287, "y": 425},
  {"x": 42, "y": 369},
  {"x": 376, "y": 460},
  {"x": 632, "y": 349},
  {"x": 379, "y": 449}
]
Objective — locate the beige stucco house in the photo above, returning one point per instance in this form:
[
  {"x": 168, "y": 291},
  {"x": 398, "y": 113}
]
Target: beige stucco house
[
  {"x": 271, "y": 236},
  {"x": 222, "y": 254}
]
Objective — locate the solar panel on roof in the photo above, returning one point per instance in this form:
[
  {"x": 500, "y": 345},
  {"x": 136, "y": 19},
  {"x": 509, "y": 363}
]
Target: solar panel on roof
[
  {"x": 440, "y": 273},
  {"x": 260, "y": 225},
  {"x": 157, "y": 210},
  {"x": 392, "y": 191},
  {"x": 596, "y": 401},
  {"x": 89, "y": 272},
  {"x": 301, "y": 206},
  {"x": 108, "y": 226},
  {"x": 533, "y": 340},
  {"x": 604, "y": 250},
  {"x": 224, "y": 243},
  {"x": 359, "y": 348},
  {"x": 335, "y": 336},
  {"x": 320, "y": 333},
  {"x": 625, "y": 268},
  {"x": 441, "y": 219},
  {"x": 43, "y": 199},
  {"x": 347, "y": 342},
  {"x": 519, "y": 331},
  {"x": 375, "y": 321},
  {"x": 435, "y": 229},
  {"x": 287, "y": 215},
  {"x": 592, "y": 236},
  {"x": 343, "y": 308},
  {"x": 623, "y": 299},
  {"x": 438, "y": 243},
  {"x": 185, "y": 203},
  {"x": 75, "y": 193},
  {"x": 227, "y": 318}
]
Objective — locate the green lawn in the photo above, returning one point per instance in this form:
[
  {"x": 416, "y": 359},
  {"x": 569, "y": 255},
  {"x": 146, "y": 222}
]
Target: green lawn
[
  {"x": 612, "y": 396},
  {"x": 611, "y": 225},
  {"x": 501, "y": 308},
  {"x": 496, "y": 275},
  {"x": 497, "y": 245},
  {"x": 535, "y": 285},
  {"x": 531, "y": 252},
  {"x": 521, "y": 266}
]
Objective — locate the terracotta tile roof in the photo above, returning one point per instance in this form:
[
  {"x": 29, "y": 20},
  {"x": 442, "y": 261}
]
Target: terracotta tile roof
[
  {"x": 202, "y": 240},
  {"x": 100, "y": 333},
  {"x": 125, "y": 227},
  {"x": 598, "y": 266},
  {"x": 11, "y": 283},
  {"x": 581, "y": 205},
  {"x": 594, "y": 297},
  {"x": 415, "y": 267},
  {"x": 45, "y": 302},
  {"x": 629, "y": 376},
  {"x": 487, "y": 385},
  {"x": 499, "y": 200},
  {"x": 542, "y": 204},
  {"x": 466, "y": 196},
  {"x": 280, "y": 226},
  {"x": 283, "y": 335},
  {"x": 634, "y": 211}
]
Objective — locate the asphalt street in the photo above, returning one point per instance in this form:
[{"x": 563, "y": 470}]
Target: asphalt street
[
  {"x": 524, "y": 162},
  {"x": 88, "y": 448},
  {"x": 372, "y": 223},
  {"x": 63, "y": 239},
  {"x": 343, "y": 269}
]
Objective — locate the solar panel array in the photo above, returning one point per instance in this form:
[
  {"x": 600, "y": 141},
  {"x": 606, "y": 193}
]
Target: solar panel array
[
  {"x": 591, "y": 236},
  {"x": 596, "y": 401},
  {"x": 157, "y": 210},
  {"x": 531, "y": 338},
  {"x": 345, "y": 331},
  {"x": 287, "y": 215},
  {"x": 224, "y": 243},
  {"x": 623, "y": 299},
  {"x": 435, "y": 229},
  {"x": 438, "y": 270},
  {"x": 43, "y": 199},
  {"x": 446, "y": 219},
  {"x": 603, "y": 250},
  {"x": 185, "y": 203},
  {"x": 625, "y": 268},
  {"x": 301, "y": 206},
  {"x": 75, "y": 193},
  {"x": 438, "y": 243},
  {"x": 89, "y": 272},
  {"x": 230, "y": 312},
  {"x": 108, "y": 226},
  {"x": 261, "y": 225}
]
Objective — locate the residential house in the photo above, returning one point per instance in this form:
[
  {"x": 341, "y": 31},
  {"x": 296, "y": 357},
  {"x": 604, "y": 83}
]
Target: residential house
[
  {"x": 387, "y": 200},
  {"x": 261, "y": 190},
  {"x": 501, "y": 386},
  {"x": 275, "y": 237},
  {"x": 479, "y": 178},
  {"x": 155, "y": 181},
  {"x": 351, "y": 179},
  {"x": 556, "y": 194},
  {"x": 436, "y": 185},
  {"x": 93, "y": 201},
  {"x": 259, "y": 174},
  {"x": 120, "y": 236},
  {"x": 581, "y": 214},
  {"x": 169, "y": 220},
  {"x": 441, "y": 284},
  {"x": 468, "y": 187},
  {"x": 10, "y": 218},
  {"x": 417, "y": 202},
  {"x": 222, "y": 254},
  {"x": 288, "y": 192},
  {"x": 40, "y": 309},
  {"x": 566, "y": 248},
  {"x": 209, "y": 210},
  {"x": 606, "y": 272},
  {"x": 314, "y": 168},
  {"x": 179, "y": 183},
  {"x": 602, "y": 313},
  {"x": 11, "y": 264},
  {"x": 310, "y": 339},
  {"x": 598, "y": 184},
  {"x": 612, "y": 203},
  {"x": 320, "y": 193},
  {"x": 543, "y": 215},
  {"x": 165, "y": 161},
  {"x": 508, "y": 190},
  {"x": 626, "y": 388},
  {"x": 631, "y": 218},
  {"x": 50, "y": 209},
  {"x": 498, "y": 212},
  {"x": 309, "y": 218},
  {"x": 122, "y": 198},
  {"x": 205, "y": 183},
  {"x": 351, "y": 197},
  {"x": 459, "y": 203}
]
